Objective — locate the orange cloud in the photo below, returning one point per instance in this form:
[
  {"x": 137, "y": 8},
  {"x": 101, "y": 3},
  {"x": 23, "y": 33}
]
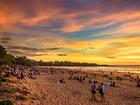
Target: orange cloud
[{"x": 116, "y": 44}]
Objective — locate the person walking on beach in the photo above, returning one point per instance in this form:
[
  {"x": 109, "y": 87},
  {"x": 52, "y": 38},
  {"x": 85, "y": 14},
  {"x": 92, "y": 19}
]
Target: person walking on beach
[
  {"x": 101, "y": 91},
  {"x": 93, "y": 91}
]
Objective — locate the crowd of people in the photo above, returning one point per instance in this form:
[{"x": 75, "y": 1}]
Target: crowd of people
[{"x": 21, "y": 72}]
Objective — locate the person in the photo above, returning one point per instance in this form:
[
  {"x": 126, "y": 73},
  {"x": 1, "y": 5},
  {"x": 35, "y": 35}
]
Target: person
[
  {"x": 114, "y": 84},
  {"x": 138, "y": 83},
  {"x": 32, "y": 74},
  {"x": 101, "y": 91},
  {"x": 19, "y": 75},
  {"x": 93, "y": 91},
  {"x": 109, "y": 83},
  {"x": 62, "y": 80},
  {"x": 22, "y": 75}
]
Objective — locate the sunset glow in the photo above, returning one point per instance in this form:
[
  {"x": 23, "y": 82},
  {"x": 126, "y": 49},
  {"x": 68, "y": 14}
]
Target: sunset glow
[{"x": 95, "y": 31}]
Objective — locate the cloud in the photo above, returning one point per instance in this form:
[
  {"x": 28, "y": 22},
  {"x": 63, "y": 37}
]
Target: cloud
[
  {"x": 30, "y": 52},
  {"x": 73, "y": 13},
  {"x": 91, "y": 48},
  {"x": 101, "y": 30},
  {"x": 4, "y": 39},
  {"x": 61, "y": 54},
  {"x": 32, "y": 49},
  {"x": 22, "y": 53}
]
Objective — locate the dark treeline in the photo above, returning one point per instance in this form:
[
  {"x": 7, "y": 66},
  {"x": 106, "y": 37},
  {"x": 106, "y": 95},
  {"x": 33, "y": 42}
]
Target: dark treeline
[
  {"x": 9, "y": 59},
  {"x": 63, "y": 63}
]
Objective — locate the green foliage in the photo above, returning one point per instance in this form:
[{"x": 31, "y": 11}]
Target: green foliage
[
  {"x": 3, "y": 51},
  {"x": 12, "y": 60},
  {"x": 6, "y": 102},
  {"x": 23, "y": 61},
  {"x": 61, "y": 63},
  {"x": 5, "y": 58},
  {"x": 3, "y": 80}
]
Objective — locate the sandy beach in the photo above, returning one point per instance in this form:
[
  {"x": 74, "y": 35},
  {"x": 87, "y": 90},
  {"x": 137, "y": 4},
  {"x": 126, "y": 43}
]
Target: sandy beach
[
  {"x": 69, "y": 52},
  {"x": 47, "y": 90}
]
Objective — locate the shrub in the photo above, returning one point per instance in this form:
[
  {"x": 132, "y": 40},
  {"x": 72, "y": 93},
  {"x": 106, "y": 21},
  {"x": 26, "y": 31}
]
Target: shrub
[
  {"x": 6, "y": 102},
  {"x": 3, "y": 80}
]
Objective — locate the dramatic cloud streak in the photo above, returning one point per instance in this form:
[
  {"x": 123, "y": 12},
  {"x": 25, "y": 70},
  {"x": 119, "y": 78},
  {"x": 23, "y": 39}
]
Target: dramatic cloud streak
[{"x": 101, "y": 31}]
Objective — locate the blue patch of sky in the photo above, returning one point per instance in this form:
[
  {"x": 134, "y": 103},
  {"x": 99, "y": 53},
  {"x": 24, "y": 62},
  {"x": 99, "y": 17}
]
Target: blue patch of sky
[
  {"x": 97, "y": 33},
  {"x": 89, "y": 34},
  {"x": 83, "y": 51}
]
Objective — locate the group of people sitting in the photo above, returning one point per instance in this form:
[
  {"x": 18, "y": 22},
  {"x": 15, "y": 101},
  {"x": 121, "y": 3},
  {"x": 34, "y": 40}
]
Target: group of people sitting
[{"x": 78, "y": 78}]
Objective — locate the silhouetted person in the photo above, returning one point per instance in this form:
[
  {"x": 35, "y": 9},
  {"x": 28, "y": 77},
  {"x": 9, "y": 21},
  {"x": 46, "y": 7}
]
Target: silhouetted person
[
  {"x": 101, "y": 91},
  {"x": 93, "y": 91},
  {"x": 113, "y": 84},
  {"x": 138, "y": 83}
]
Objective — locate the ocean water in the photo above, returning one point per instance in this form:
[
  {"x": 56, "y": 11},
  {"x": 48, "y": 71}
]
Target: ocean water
[{"x": 130, "y": 69}]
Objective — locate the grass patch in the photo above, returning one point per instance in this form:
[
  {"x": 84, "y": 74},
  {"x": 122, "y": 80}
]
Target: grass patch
[
  {"x": 6, "y": 102},
  {"x": 3, "y": 80}
]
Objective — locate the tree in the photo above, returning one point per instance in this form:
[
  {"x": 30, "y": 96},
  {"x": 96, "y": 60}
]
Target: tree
[
  {"x": 23, "y": 61},
  {"x": 3, "y": 51}
]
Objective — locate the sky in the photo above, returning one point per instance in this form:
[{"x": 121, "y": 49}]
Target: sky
[{"x": 94, "y": 31}]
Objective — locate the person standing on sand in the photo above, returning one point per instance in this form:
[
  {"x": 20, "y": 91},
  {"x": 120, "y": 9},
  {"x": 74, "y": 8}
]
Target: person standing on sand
[
  {"x": 101, "y": 91},
  {"x": 109, "y": 83},
  {"x": 93, "y": 91}
]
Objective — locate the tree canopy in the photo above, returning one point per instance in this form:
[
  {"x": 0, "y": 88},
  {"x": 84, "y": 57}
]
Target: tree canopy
[{"x": 23, "y": 60}]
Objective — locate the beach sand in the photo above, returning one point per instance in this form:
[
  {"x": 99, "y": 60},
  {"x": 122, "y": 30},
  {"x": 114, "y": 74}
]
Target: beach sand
[{"x": 46, "y": 90}]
